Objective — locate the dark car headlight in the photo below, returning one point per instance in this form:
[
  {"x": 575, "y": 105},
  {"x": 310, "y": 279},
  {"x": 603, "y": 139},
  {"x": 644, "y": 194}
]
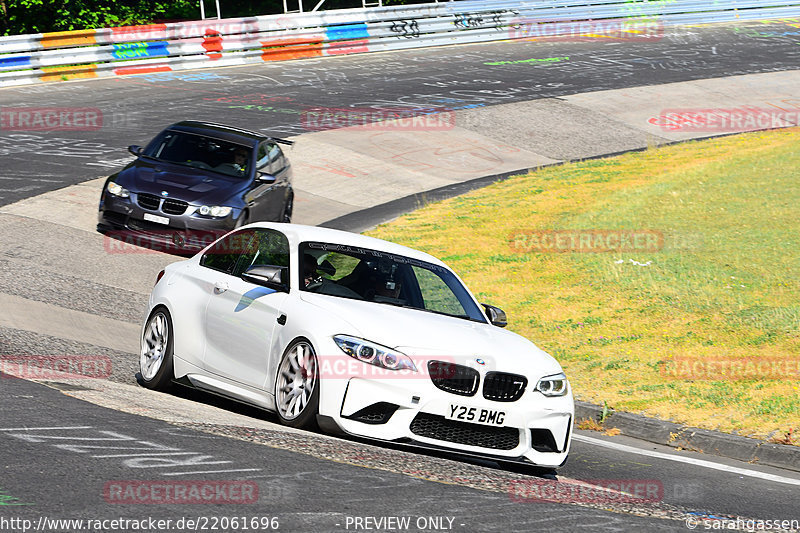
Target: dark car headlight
[
  {"x": 555, "y": 385},
  {"x": 216, "y": 211},
  {"x": 117, "y": 190}
]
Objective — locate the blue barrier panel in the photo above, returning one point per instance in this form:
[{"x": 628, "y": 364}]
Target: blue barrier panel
[
  {"x": 347, "y": 31},
  {"x": 15, "y": 61}
]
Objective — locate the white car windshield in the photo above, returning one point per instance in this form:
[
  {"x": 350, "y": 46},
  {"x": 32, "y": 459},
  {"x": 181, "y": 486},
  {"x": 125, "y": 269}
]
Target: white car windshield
[{"x": 384, "y": 278}]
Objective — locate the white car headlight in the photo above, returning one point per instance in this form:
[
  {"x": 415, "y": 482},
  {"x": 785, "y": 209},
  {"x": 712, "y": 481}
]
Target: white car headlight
[
  {"x": 117, "y": 190},
  {"x": 217, "y": 211},
  {"x": 555, "y": 385},
  {"x": 374, "y": 354}
]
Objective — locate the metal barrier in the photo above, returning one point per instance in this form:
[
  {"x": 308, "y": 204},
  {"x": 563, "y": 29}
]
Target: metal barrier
[{"x": 26, "y": 59}]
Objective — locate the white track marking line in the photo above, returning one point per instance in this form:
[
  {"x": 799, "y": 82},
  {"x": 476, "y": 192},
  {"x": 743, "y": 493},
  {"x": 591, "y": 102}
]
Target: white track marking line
[
  {"x": 212, "y": 471},
  {"x": 45, "y": 429},
  {"x": 688, "y": 460}
]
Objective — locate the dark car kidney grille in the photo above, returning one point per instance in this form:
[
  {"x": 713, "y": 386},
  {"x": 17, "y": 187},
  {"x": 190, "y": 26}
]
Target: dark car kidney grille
[
  {"x": 148, "y": 201},
  {"x": 453, "y": 378},
  {"x": 502, "y": 387},
  {"x": 439, "y": 428},
  {"x": 174, "y": 207}
]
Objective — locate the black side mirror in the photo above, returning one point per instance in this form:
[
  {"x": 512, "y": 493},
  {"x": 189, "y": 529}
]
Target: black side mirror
[
  {"x": 263, "y": 177},
  {"x": 135, "y": 150},
  {"x": 496, "y": 315},
  {"x": 272, "y": 277}
]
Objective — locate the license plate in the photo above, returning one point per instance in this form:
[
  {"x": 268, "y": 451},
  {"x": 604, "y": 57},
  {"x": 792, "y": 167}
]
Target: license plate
[
  {"x": 475, "y": 415},
  {"x": 156, "y": 218}
]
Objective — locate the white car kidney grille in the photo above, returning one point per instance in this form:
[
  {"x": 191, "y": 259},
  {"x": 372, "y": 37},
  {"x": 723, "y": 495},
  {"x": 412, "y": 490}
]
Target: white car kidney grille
[
  {"x": 453, "y": 378},
  {"x": 503, "y": 387}
]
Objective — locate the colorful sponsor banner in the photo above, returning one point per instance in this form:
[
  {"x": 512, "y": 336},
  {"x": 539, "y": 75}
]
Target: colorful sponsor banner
[{"x": 140, "y": 50}]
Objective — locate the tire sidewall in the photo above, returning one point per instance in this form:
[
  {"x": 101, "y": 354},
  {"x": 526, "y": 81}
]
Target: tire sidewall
[
  {"x": 308, "y": 418},
  {"x": 288, "y": 207},
  {"x": 163, "y": 378}
]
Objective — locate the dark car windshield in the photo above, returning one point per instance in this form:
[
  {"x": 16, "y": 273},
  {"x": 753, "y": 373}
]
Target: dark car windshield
[
  {"x": 198, "y": 151},
  {"x": 384, "y": 278}
]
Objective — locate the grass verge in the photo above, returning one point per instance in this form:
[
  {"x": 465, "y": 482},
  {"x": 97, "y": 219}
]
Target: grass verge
[{"x": 714, "y": 279}]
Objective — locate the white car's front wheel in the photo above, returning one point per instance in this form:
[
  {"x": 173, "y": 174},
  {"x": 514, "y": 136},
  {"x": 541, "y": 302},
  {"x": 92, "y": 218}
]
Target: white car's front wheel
[
  {"x": 155, "y": 360},
  {"x": 297, "y": 386}
]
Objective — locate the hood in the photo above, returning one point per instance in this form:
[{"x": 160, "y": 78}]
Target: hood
[
  {"x": 425, "y": 335},
  {"x": 193, "y": 185}
]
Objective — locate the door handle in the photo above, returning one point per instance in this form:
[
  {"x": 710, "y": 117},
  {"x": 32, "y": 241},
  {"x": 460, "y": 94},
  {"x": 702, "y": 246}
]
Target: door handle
[{"x": 220, "y": 287}]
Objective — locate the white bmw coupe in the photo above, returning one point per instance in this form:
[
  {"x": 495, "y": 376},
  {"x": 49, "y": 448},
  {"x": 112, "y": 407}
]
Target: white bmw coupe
[{"x": 355, "y": 335}]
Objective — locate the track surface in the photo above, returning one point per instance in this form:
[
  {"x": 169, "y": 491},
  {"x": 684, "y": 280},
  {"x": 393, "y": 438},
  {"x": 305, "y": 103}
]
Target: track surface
[
  {"x": 310, "y": 481},
  {"x": 272, "y": 97}
]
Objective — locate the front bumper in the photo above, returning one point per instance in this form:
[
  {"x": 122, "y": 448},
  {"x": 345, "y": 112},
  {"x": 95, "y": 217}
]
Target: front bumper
[
  {"x": 535, "y": 429},
  {"x": 124, "y": 220}
]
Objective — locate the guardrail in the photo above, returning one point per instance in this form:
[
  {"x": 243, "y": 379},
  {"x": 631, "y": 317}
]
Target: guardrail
[{"x": 123, "y": 50}]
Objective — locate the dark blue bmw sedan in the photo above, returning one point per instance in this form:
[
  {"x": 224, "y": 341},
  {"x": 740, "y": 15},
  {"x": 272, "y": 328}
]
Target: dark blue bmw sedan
[{"x": 194, "y": 182}]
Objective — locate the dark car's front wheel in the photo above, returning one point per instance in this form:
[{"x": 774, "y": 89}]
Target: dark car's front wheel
[
  {"x": 155, "y": 360},
  {"x": 287, "y": 209},
  {"x": 297, "y": 386}
]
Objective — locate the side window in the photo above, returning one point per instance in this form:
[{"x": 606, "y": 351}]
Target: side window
[
  {"x": 156, "y": 145},
  {"x": 436, "y": 295},
  {"x": 269, "y": 158},
  {"x": 262, "y": 158},
  {"x": 225, "y": 253},
  {"x": 268, "y": 247}
]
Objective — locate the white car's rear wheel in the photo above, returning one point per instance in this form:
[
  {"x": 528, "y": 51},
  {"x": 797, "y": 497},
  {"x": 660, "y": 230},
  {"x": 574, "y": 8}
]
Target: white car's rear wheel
[
  {"x": 297, "y": 386},
  {"x": 155, "y": 359}
]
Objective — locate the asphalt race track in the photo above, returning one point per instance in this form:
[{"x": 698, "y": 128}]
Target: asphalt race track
[
  {"x": 272, "y": 97},
  {"x": 67, "y": 445}
]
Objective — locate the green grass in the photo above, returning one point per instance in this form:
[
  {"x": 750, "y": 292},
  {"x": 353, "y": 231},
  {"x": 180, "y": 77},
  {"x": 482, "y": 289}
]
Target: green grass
[{"x": 724, "y": 282}]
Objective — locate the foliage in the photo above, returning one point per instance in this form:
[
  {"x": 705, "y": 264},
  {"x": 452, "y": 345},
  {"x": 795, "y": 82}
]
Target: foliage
[{"x": 41, "y": 16}]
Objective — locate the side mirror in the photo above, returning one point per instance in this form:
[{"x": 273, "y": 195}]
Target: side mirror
[
  {"x": 272, "y": 277},
  {"x": 496, "y": 315},
  {"x": 263, "y": 177},
  {"x": 135, "y": 150}
]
